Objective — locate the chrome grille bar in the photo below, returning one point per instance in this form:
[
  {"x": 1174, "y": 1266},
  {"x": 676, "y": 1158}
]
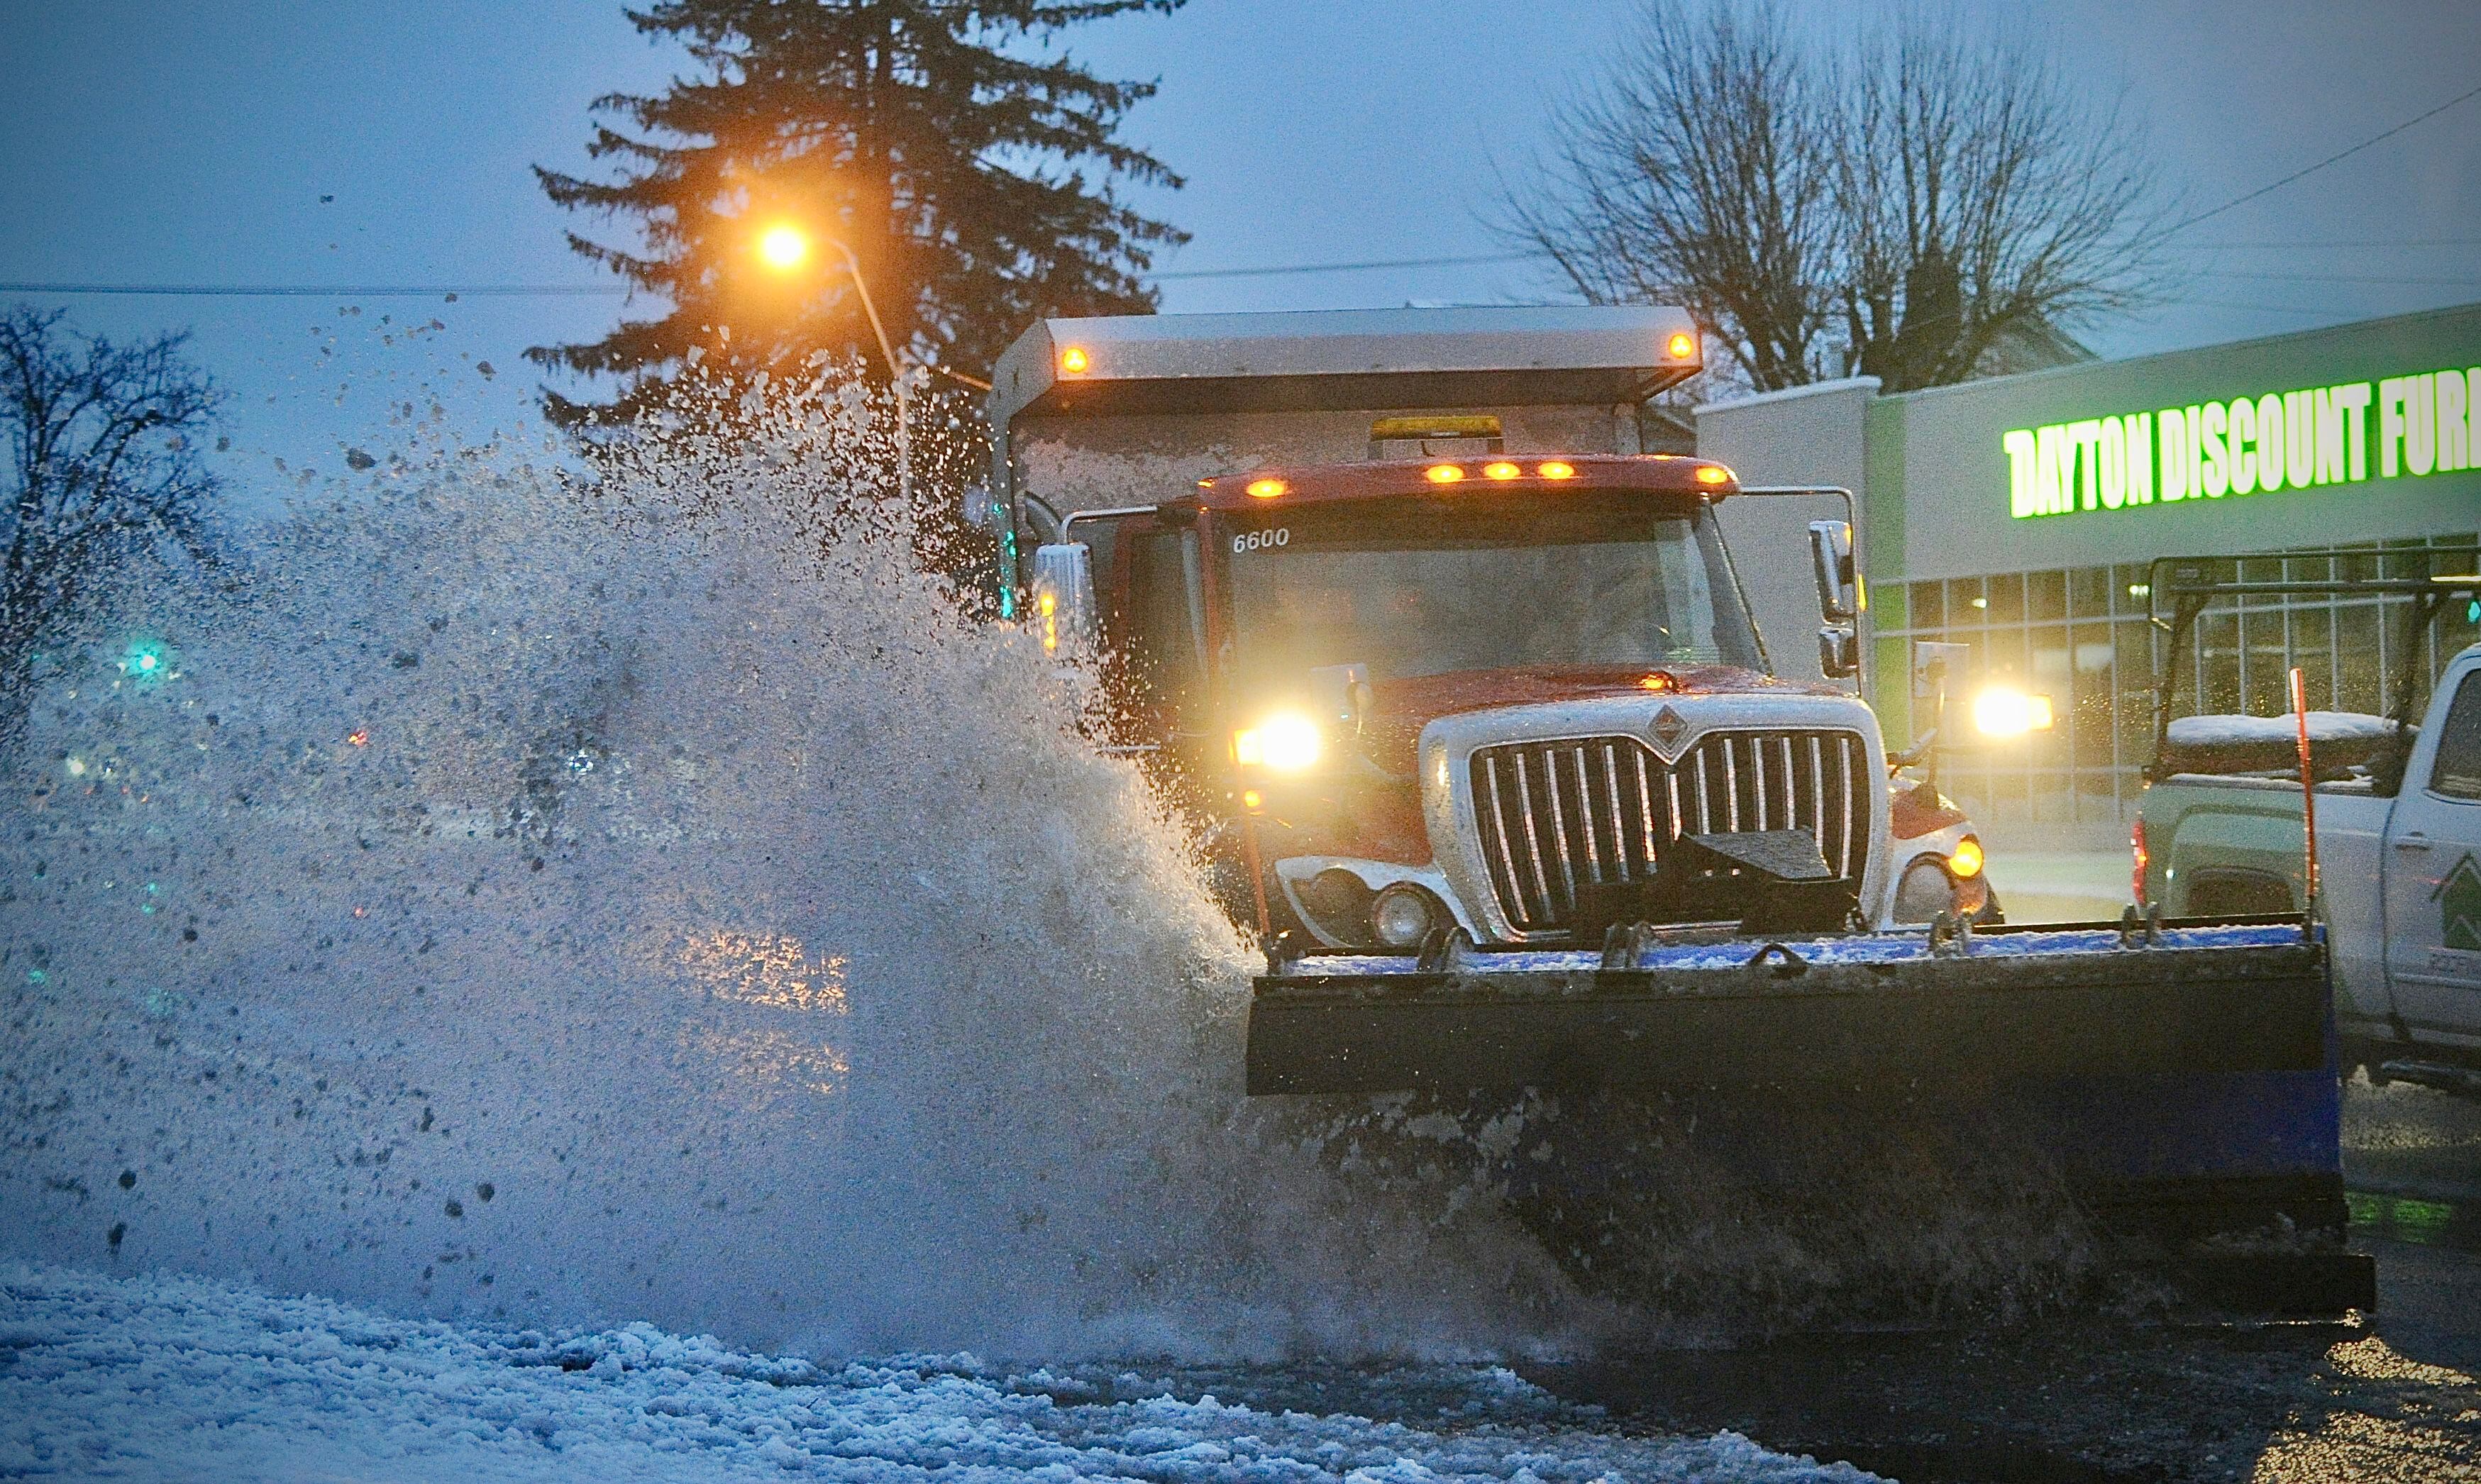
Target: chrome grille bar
[
  {"x": 1585, "y": 817},
  {"x": 1574, "y": 816}
]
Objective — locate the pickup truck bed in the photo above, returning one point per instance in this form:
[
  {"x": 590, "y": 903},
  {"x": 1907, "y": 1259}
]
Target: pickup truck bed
[{"x": 2399, "y": 879}]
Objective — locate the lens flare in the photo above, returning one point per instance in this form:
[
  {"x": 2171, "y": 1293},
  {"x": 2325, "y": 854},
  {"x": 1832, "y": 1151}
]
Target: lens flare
[
  {"x": 1285, "y": 742},
  {"x": 2003, "y": 712}
]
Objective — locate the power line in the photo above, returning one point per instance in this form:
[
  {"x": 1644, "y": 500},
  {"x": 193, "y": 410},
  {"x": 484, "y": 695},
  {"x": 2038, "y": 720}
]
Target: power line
[
  {"x": 1346, "y": 268},
  {"x": 2351, "y": 242},
  {"x": 2345, "y": 154},
  {"x": 592, "y": 290},
  {"x": 2393, "y": 280},
  {"x": 515, "y": 290},
  {"x": 2221, "y": 304},
  {"x": 319, "y": 290}
]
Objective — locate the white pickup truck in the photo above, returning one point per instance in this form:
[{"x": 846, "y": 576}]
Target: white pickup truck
[{"x": 2399, "y": 860}]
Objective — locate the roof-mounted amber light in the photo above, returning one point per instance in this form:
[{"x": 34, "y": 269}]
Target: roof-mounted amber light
[
  {"x": 1661, "y": 682},
  {"x": 1074, "y": 360},
  {"x": 1443, "y": 474},
  {"x": 1556, "y": 469},
  {"x": 1682, "y": 346},
  {"x": 1267, "y": 490},
  {"x": 1500, "y": 469},
  {"x": 1714, "y": 474}
]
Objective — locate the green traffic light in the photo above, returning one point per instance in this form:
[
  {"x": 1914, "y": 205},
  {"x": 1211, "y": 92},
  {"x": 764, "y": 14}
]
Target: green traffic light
[{"x": 147, "y": 660}]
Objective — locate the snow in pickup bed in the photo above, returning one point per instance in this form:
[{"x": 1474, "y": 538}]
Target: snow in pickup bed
[
  {"x": 164, "y": 1378},
  {"x": 2324, "y": 726}
]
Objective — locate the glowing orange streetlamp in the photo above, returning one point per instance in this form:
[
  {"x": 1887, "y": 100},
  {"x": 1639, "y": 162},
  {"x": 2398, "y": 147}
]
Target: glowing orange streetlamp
[{"x": 783, "y": 247}]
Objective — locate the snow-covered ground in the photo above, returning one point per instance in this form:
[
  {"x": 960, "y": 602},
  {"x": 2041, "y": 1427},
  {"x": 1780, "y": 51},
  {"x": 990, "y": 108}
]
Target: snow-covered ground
[{"x": 176, "y": 1378}]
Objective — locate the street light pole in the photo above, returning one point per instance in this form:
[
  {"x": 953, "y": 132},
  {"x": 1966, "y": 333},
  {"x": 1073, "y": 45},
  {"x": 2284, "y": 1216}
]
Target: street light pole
[{"x": 899, "y": 374}]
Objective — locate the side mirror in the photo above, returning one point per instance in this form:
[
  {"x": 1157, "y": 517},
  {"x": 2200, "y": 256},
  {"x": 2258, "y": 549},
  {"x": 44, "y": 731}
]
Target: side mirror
[
  {"x": 1838, "y": 652},
  {"x": 1830, "y": 557},
  {"x": 1062, "y": 600},
  {"x": 1342, "y": 691},
  {"x": 1938, "y": 666}
]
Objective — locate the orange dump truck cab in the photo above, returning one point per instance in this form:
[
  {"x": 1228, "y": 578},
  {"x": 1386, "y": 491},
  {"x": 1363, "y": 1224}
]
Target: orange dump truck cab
[{"x": 1396, "y": 599}]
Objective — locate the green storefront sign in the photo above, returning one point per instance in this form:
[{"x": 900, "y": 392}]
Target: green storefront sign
[{"x": 2405, "y": 427}]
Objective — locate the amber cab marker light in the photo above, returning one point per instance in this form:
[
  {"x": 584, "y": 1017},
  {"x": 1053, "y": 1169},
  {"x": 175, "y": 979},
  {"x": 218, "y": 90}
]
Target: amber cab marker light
[
  {"x": 2140, "y": 859},
  {"x": 1502, "y": 470},
  {"x": 1267, "y": 490},
  {"x": 1661, "y": 682},
  {"x": 1555, "y": 469},
  {"x": 1074, "y": 360},
  {"x": 1682, "y": 346},
  {"x": 1443, "y": 474},
  {"x": 1712, "y": 474}
]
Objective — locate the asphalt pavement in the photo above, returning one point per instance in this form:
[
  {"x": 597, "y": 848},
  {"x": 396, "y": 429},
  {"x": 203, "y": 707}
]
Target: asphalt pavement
[{"x": 2386, "y": 1395}]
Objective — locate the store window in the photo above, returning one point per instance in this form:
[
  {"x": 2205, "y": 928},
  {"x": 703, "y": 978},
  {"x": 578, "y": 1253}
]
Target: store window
[{"x": 2081, "y": 635}]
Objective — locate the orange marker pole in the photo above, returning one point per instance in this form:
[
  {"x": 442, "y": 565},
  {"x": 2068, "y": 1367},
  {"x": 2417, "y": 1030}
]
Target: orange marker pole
[{"x": 2307, "y": 803}]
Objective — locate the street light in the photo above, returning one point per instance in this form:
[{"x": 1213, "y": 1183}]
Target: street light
[{"x": 785, "y": 247}]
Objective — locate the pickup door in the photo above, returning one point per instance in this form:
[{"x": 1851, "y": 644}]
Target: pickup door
[{"x": 2433, "y": 870}]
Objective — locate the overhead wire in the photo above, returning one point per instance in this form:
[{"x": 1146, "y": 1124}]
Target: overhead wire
[{"x": 2335, "y": 158}]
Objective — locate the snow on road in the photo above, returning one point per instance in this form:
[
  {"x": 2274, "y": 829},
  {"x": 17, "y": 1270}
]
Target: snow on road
[{"x": 174, "y": 1378}]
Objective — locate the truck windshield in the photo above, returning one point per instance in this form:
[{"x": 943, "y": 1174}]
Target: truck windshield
[{"x": 1430, "y": 585}]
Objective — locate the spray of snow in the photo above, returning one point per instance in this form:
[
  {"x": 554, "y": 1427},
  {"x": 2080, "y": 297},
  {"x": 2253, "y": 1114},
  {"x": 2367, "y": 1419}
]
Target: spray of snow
[{"x": 657, "y": 900}]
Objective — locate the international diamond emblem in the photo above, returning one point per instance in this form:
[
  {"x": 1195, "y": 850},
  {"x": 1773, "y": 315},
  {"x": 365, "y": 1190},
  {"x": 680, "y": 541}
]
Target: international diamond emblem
[{"x": 1669, "y": 728}]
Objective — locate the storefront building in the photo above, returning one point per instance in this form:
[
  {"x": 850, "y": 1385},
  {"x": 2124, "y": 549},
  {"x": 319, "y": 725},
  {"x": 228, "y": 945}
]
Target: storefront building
[{"x": 2019, "y": 515}]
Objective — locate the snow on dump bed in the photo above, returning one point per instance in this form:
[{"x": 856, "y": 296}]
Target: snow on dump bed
[
  {"x": 2324, "y": 726},
  {"x": 1882, "y": 948},
  {"x": 161, "y": 1378}
]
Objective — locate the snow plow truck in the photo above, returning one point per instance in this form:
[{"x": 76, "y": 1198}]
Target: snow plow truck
[{"x": 1491, "y": 749}]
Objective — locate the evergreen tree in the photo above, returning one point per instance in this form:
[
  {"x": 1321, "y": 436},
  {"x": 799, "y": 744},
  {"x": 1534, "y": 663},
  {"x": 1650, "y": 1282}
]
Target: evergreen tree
[{"x": 946, "y": 142}]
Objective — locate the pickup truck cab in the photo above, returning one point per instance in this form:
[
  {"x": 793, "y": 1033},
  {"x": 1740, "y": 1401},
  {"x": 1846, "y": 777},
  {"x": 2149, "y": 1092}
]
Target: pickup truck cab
[{"x": 2398, "y": 816}]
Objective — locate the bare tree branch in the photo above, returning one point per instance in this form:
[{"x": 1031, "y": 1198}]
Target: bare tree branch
[
  {"x": 1921, "y": 206},
  {"x": 1984, "y": 197},
  {"x": 103, "y": 445},
  {"x": 1699, "y": 172}
]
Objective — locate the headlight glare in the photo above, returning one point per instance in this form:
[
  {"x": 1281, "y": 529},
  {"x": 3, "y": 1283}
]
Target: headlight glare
[{"x": 1285, "y": 742}]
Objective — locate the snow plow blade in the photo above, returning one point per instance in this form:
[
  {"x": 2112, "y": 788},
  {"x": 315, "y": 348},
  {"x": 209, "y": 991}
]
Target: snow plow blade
[
  {"x": 2182, "y": 1081},
  {"x": 2047, "y": 1005}
]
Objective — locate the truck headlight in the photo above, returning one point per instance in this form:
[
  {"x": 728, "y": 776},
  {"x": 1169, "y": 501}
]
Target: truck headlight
[
  {"x": 2003, "y": 712},
  {"x": 1285, "y": 742},
  {"x": 1924, "y": 892}
]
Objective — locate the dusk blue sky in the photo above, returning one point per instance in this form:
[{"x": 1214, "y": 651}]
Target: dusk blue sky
[{"x": 153, "y": 143}]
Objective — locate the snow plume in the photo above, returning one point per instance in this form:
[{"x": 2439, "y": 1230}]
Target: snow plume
[{"x": 652, "y": 897}]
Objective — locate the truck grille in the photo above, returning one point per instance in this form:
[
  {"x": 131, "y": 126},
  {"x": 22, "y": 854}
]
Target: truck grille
[{"x": 1555, "y": 815}]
